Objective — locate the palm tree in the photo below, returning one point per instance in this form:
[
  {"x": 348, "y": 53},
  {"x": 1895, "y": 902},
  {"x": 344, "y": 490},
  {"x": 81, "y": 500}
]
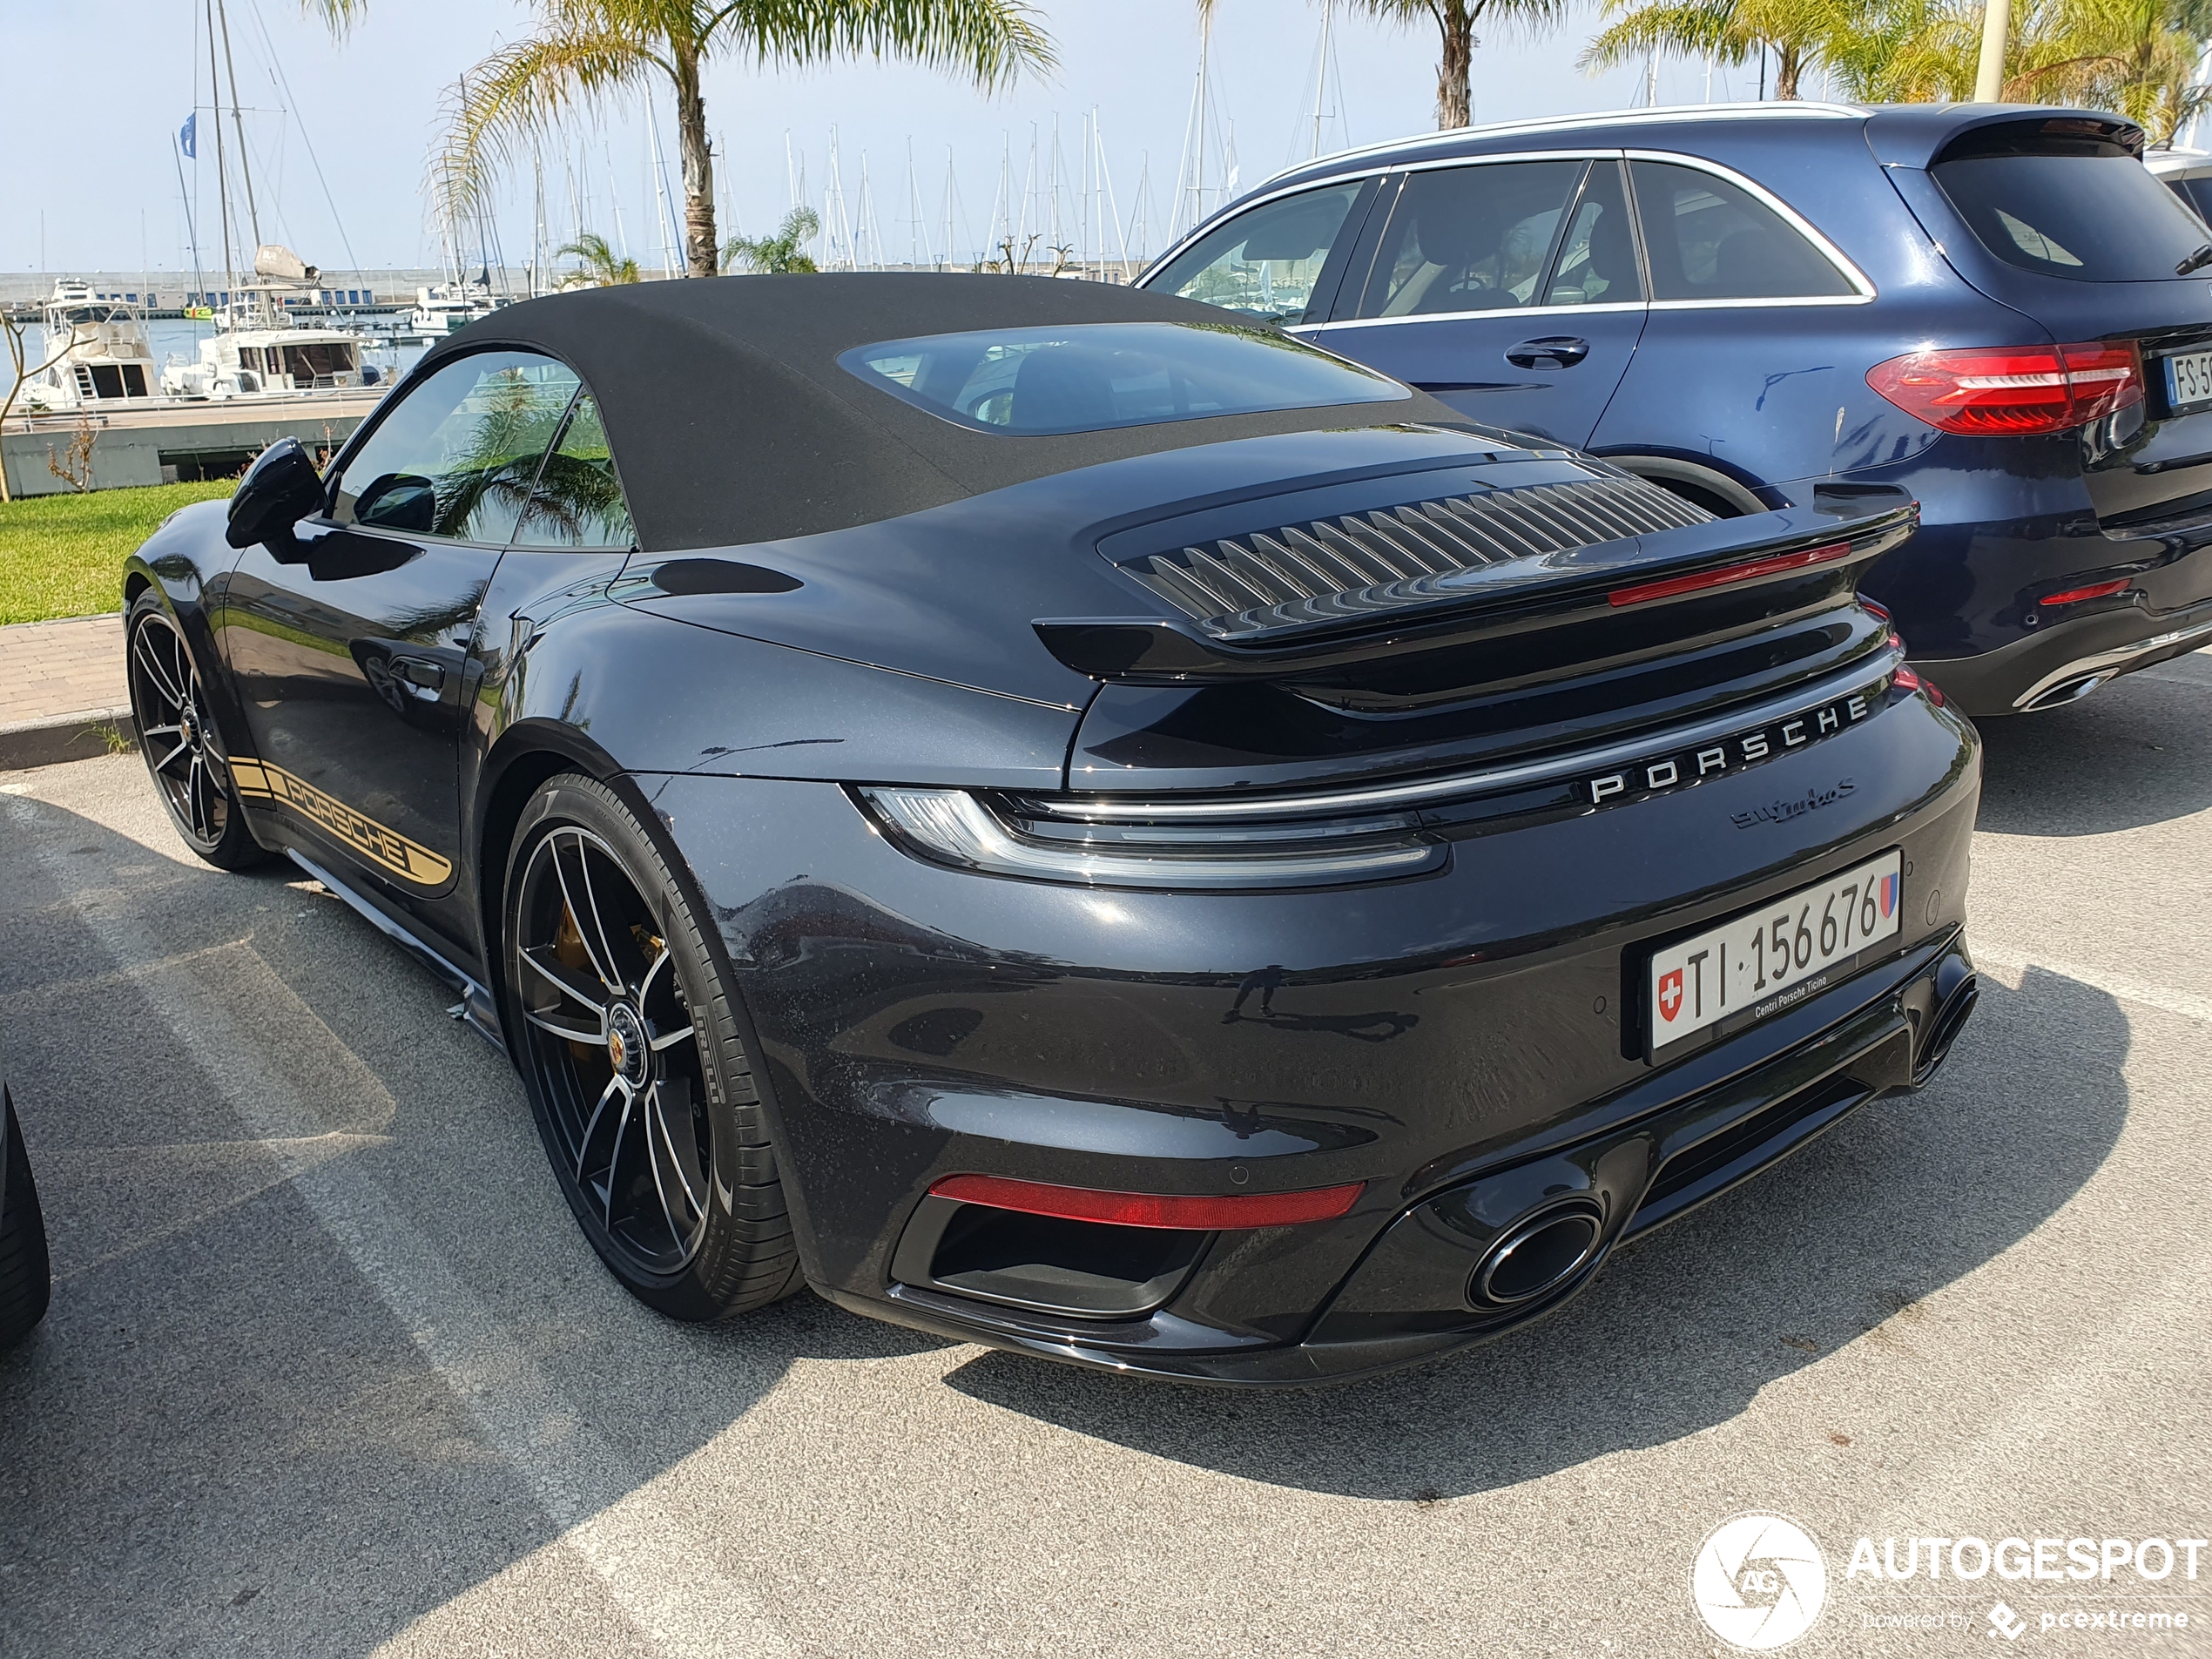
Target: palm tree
[
  {"x": 1729, "y": 31},
  {"x": 598, "y": 262},
  {"x": 1456, "y": 22},
  {"x": 581, "y": 51},
  {"x": 781, "y": 254},
  {"x": 2137, "y": 57}
]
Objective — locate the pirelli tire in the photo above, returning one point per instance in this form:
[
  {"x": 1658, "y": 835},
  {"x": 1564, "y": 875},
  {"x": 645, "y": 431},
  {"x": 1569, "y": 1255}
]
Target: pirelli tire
[
  {"x": 632, "y": 1049},
  {"x": 178, "y": 737},
  {"x": 25, "y": 1276}
]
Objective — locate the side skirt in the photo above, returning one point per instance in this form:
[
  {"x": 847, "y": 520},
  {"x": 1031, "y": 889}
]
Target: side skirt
[{"x": 476, "y": 1006}]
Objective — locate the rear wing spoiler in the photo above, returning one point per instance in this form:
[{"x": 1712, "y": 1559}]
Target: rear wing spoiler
[{"x": 1846, "y": 527}]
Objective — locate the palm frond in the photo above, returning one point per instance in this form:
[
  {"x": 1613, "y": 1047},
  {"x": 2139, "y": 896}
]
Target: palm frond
[
  {"x": 338, "y": 16},
  {"x": 1689, "y": 28},
  {"x": 522, "y": 91},
  {"x": 992, "y": 41}
]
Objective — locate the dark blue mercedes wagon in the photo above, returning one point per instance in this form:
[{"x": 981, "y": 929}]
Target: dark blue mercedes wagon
[{"x": 1995, "y": 306}]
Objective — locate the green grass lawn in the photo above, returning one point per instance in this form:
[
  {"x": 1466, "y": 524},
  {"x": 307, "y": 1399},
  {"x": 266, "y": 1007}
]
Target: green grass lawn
[{"x": 62, "y": 555}]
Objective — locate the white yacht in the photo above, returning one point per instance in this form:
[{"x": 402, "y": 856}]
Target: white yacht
[
  {"x": 108, "y": 356},
  {"x": 445, "y": 306},
  {"x": 256, "y": 349}
]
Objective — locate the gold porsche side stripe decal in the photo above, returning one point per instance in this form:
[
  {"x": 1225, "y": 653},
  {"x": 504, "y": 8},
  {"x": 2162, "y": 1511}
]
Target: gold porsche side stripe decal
[{"x": 409, "y": 861}]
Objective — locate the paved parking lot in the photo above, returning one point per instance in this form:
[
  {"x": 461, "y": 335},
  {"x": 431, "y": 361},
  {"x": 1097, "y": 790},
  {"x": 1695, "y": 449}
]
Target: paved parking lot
[{"x": 329, "y": 1369}]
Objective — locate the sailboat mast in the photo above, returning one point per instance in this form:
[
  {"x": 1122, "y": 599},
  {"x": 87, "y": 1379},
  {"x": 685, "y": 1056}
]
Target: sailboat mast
[
  {"x": 245, "y": 163},
  {"x": 660, "y": 206},
  {"x": 537, "y": 223},
  {"x": 222, "y": 169},
  {"x": 1321, "y": 80},
  {"x": 1198, "y": 173},
  {"x": 192, "y": 229}
]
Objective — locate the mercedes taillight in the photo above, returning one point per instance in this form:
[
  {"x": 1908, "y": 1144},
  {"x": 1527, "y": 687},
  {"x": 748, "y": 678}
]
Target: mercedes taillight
[{"x": 2012, "y": 391}]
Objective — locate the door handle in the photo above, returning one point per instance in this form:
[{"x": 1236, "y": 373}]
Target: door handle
[
  {"x": 1552, "y": 351},
  {"x": 427, "y": 677}
]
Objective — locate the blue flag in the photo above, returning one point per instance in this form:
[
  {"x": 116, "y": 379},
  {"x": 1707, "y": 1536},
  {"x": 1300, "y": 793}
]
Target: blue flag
[{"x": 187, "y": 135}]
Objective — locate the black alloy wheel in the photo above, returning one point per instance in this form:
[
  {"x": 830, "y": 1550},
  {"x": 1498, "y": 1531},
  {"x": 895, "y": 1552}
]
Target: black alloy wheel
[
  {"x": 630, "y": 1047},
  {"x": 178, "y": 737}
]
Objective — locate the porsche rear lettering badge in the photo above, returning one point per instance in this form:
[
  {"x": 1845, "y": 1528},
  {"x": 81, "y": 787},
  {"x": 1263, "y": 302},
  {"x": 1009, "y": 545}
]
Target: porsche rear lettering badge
[
  {"x": 1663, "y": 773},
  {"x": 387, "y": 849}
]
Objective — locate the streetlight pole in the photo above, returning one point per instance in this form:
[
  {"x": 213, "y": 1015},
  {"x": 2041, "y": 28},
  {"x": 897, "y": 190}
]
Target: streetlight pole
[{"x": 1989, "y": 77}]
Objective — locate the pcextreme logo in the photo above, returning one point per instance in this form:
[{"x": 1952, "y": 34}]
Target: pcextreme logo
[{"x": 1759, "y": 1582}]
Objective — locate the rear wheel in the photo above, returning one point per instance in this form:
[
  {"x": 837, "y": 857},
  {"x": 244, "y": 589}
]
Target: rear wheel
[
  {"x": 630, "y": 1047},
  {"x": 25, "y": 1281},
  {"x": 190, "y": 771}
]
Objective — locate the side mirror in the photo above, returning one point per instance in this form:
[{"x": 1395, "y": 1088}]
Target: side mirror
[{"x": 279, "y": 488}]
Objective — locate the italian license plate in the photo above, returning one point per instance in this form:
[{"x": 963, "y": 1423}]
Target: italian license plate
[
  {"x": 1777, "y": 955},
  {"x": 2189, "y": 381}
]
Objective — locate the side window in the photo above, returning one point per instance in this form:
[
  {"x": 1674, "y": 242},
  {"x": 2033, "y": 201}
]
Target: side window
[
  {"x": 456, "y": 456},
  {"x": 1264, "y": 263},
  {"x": 1707, "y": 239},
  {"x": 1597, "y": 257},
  {"x": 1469, "y": 238},
  {"x": 578, "y": 503},
  {"x": 2195, "y": 195}
]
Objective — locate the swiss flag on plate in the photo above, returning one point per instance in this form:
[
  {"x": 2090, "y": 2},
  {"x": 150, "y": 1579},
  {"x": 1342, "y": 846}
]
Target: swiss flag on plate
[{"x": 1670, "y": 995}]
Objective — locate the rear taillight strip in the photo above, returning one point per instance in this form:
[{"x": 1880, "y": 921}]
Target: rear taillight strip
[
  {"x": 1455, "y": 785},
  {"x": 1728, "y": 574}
]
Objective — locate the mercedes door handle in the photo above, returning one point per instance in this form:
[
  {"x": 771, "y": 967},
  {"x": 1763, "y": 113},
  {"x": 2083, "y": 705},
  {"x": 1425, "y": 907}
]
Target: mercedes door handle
[{"x": 1553, "y": 351}]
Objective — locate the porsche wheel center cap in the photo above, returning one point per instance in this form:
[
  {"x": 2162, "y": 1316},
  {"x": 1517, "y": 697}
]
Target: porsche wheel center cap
[
  {"x": 626, "y": 1047},
  {"x": 188, "y": 724}
]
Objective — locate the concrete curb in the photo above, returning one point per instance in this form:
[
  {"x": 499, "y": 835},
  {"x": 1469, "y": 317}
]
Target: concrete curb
[{"x": 82, "y": 736}]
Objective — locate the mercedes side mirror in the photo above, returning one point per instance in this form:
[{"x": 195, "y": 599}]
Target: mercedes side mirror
[{"x": 279, "y": 488}]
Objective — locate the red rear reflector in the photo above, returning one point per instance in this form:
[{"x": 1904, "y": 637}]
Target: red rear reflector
[
  {"x": 1150, "y": 1209},
  {"x": 2075, "y": 596},
  {"x": 2016, "y": 391},
  {"x": 1751, "y": 570}
]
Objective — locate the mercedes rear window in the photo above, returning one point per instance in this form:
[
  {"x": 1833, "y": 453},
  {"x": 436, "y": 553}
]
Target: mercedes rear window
[
  {"x": 1089, "y": 377},
  {"x": 2095, "y": 215}
]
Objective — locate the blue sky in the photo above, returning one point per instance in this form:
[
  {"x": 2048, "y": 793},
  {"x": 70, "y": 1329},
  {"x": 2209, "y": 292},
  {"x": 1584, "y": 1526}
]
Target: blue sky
[{"x": 94, "y": 160}]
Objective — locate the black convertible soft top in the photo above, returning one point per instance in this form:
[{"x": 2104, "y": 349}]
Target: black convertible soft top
[{"x": 731, "y": 421}]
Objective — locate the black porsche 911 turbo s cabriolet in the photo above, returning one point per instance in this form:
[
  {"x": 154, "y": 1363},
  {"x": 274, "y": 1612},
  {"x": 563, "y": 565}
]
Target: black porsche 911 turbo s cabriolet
[{"x": 1059, "y": 818}]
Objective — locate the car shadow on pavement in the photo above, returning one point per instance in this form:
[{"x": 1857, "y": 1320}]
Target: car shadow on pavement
[
  {"x": 2137, "y": 753},
  {"x": 327, "y": 1349},
  {"x": 1680, "y": 1331}
]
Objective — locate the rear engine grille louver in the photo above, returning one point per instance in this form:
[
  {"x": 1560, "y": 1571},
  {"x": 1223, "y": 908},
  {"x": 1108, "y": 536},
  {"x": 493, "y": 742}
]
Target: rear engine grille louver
[{"x": 1343, "y": 569}]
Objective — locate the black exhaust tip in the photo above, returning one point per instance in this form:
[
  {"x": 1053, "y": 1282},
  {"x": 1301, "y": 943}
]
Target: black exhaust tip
[
  {"x": 1536, "y": 1255},
  {"x": 1943, "y": 1030}
]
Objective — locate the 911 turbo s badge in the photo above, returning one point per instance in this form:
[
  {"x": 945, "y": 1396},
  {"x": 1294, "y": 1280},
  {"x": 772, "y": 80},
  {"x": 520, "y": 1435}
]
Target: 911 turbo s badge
[
  {"x": 387, "y": 849},
  {"x": 1665, "y": 772}
]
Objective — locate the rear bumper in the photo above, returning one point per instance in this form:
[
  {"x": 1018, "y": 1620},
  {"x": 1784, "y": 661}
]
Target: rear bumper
[
  {"x": 2065, "y": 661},
  {"x": 2005, "y": 524},
  {"x": 1435, "y": 1040},
  {"x": 1409, "y": 1299}
]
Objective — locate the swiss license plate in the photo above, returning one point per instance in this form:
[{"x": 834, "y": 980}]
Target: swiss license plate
[
  {"x": 1770, "y": 958},
  {"x": 2189, "y": 381}
]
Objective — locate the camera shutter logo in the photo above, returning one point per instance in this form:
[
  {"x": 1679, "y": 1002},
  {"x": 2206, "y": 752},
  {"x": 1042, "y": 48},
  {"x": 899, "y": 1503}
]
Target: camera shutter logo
[{"x": 1759, "y": 1582}]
